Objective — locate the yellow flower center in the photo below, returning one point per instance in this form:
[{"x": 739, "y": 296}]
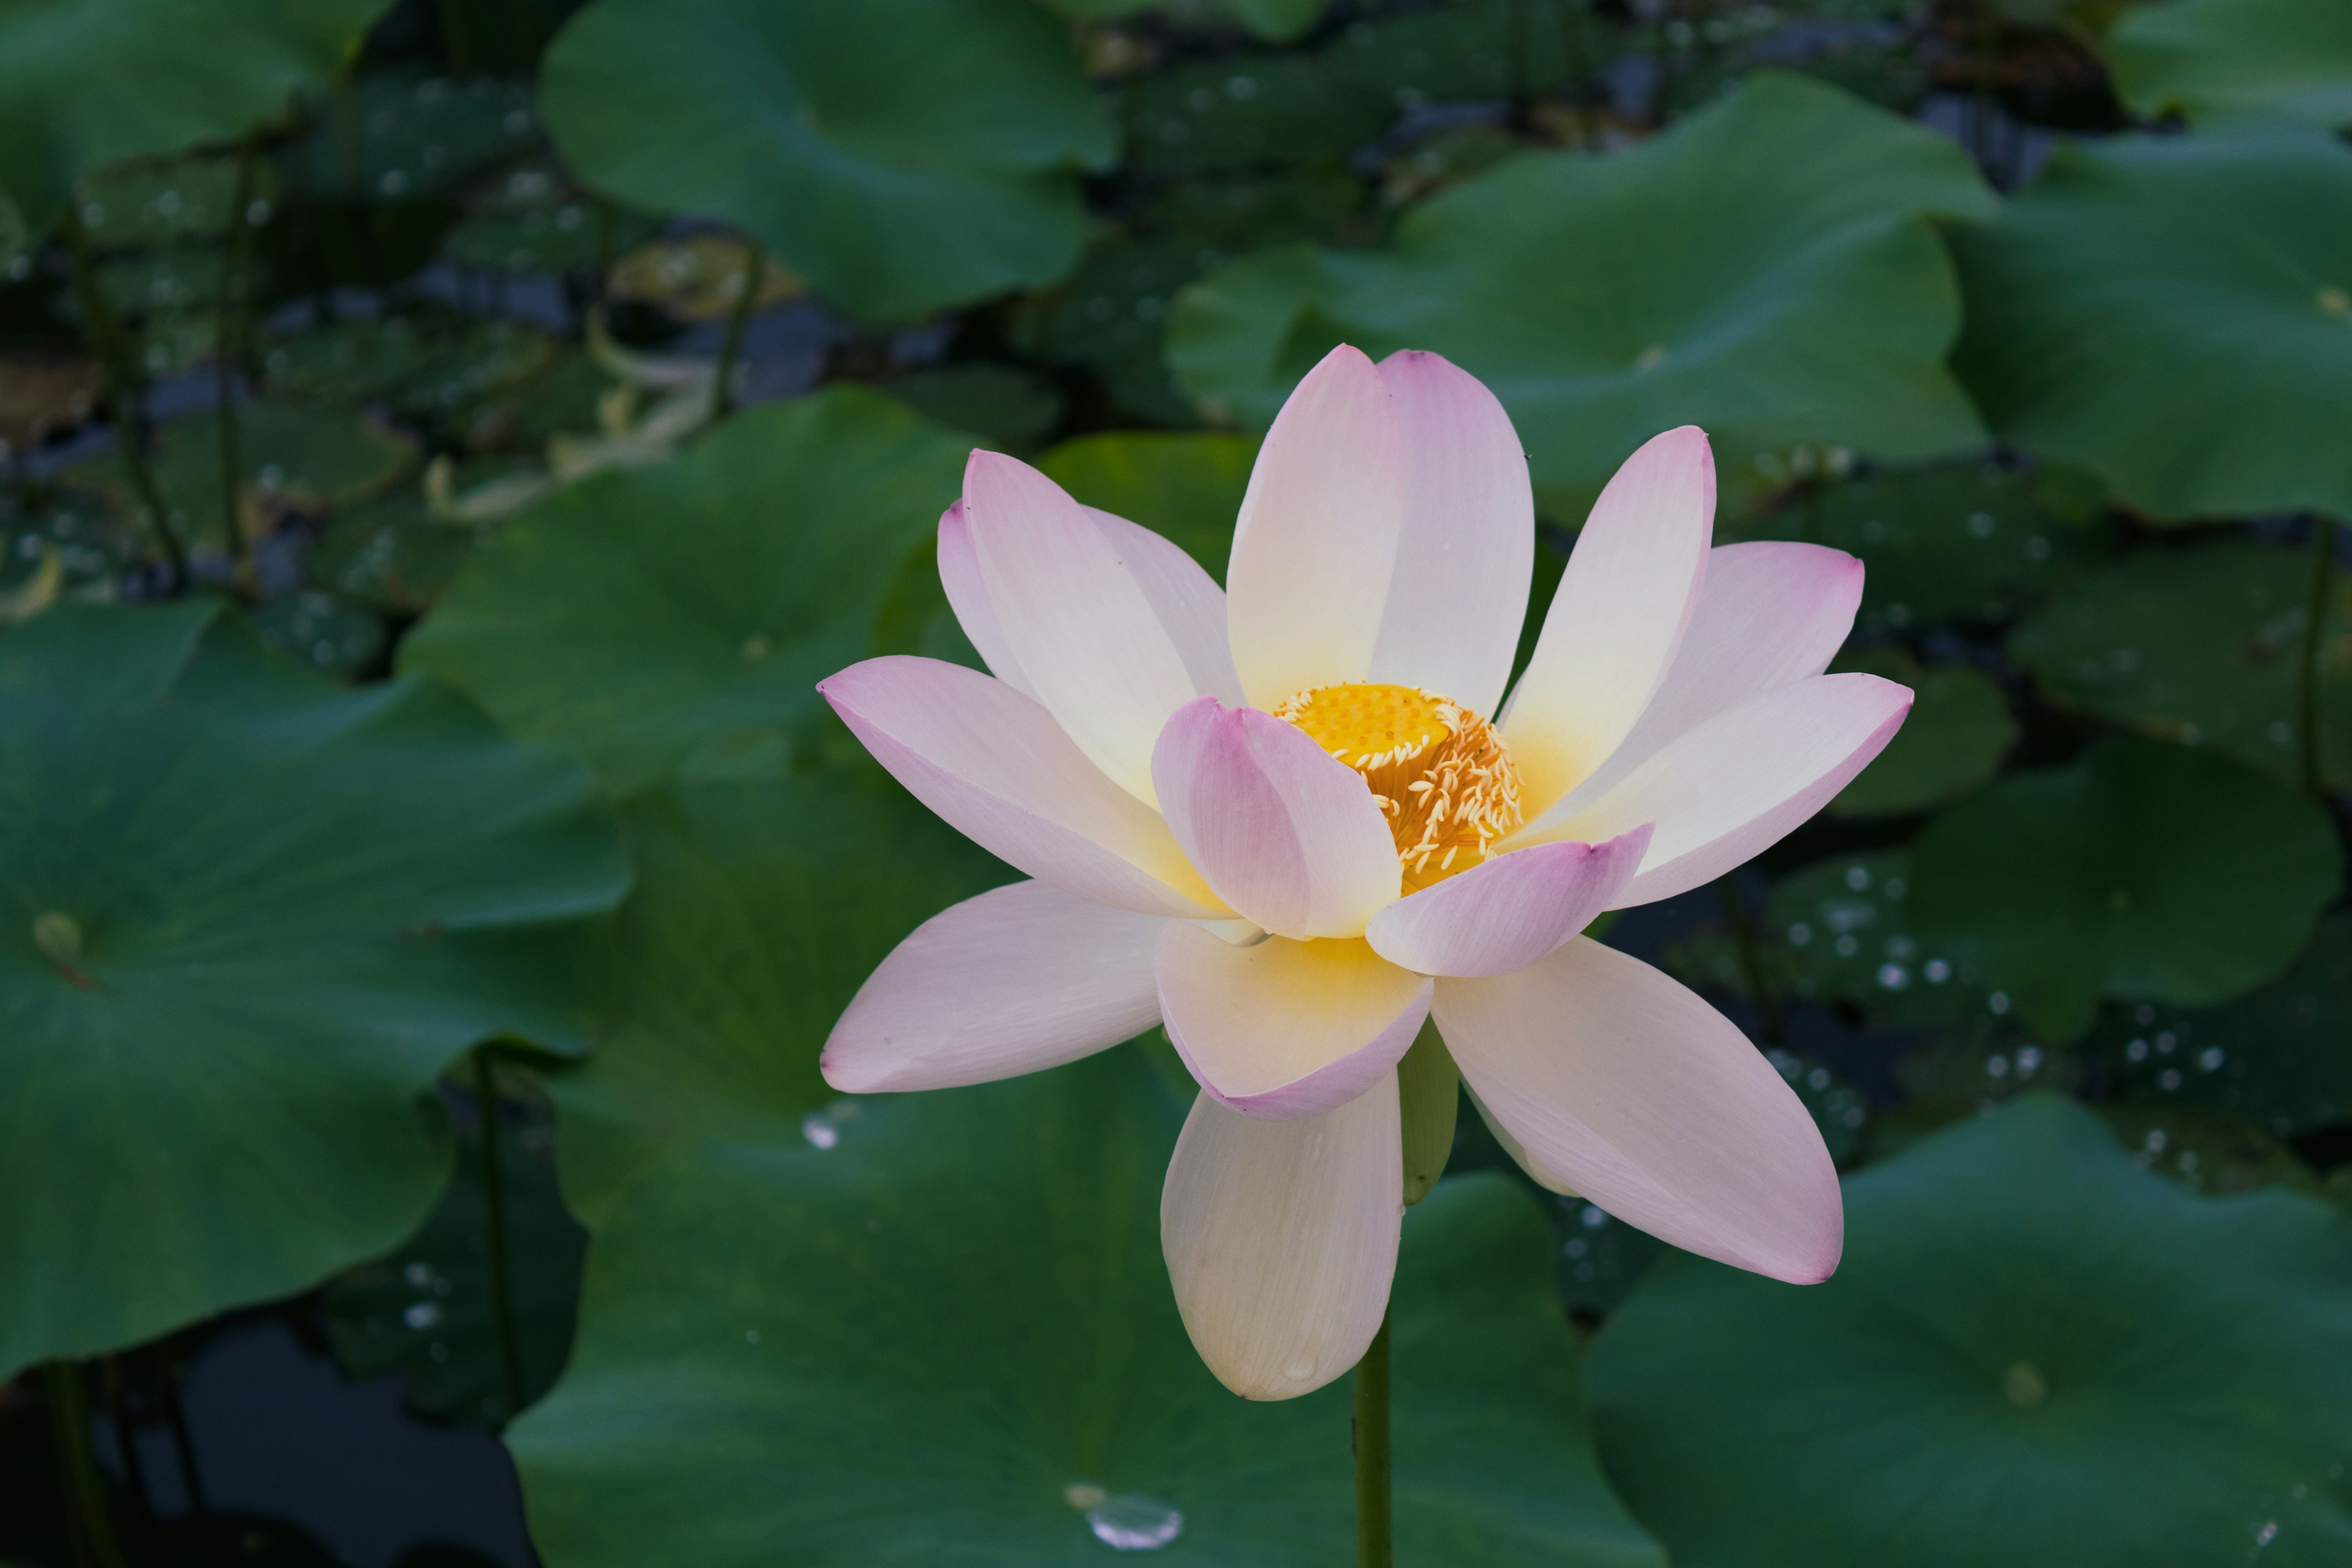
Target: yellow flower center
[{"x": 1444, "y": 780}]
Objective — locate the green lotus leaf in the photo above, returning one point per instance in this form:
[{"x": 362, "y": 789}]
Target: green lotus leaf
[
  {"x": 1184, "y": 487},
  {"x": 2142, "y": 871},
  {"x": 898, "y": 155},
  {"x": 403, "y": 133},
  {"x": 1957, "y": 731},
  {"x": 2275, "y": 1058},
  {"x": 91, "y": 83},
  {"x": 1763, "y": 269},
  {"x": 2034, "y": 1353},
  {"x": 1970, "y": 542},
  {"x": 248, "y": 917},
  {"x": 940, "y": 1329},
  {"x": 2203, "y": 646},
  {"x": 758, "y": 909},
  {"x": 644, "y": 614},
  {"x": 2174, "y": 314},
  {"x": 2218, "y": 59},
  {"x": 392, "y": 553},
  {"x": 426, "y": 1310}
]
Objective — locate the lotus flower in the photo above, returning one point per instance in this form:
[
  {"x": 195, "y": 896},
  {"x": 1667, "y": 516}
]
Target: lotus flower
[{"x": 1292, "y": 820}]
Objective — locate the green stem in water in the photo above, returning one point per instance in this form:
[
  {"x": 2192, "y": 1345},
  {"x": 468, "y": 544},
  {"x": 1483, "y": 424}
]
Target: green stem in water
[
  {"x": 94, "y": 1540},
  {"x": 230, "y": 333},
  {"x": 730, "y": 348},
  {"x": 1373, "y": 1549},
  {"x": 2315, "y": 627},
  {"x": 494, "y": 1208},
  {"x": 122, "y": 389}
]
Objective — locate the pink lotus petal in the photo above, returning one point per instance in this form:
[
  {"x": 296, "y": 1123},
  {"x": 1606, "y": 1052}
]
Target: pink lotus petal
[
  {"x": 998, "y": 769},
  {"x": 1073, "y": 617},
  {"x": 1734, "y": 786},
  {"x": 1771, "y": 613},
  {"x": 1287, "y": 834},
  {"x": 1614, "y": 627},
  {"x": 1509, "y": 912},
  {"x": 968, "y": 597},
  {"x": 1646, "y": 1101},
  {"x": 1283, "y": 1029},
  {"x": 1189, "y": 603},
  {"x": 1021, "y": 978},
  {"x": 1281, "y": 1238},
  {"x": 1315, "y": 544},
  {"x": 1539, "y": 1172},
  {"x": 1469, "y": 544}
]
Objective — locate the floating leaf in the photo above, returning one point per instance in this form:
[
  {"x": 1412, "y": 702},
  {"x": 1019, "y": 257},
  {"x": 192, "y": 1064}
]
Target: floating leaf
[
  {"x": 331, "y": 634},
  {"x": 2174, "y": 313},
  {"x": 648, "y": 611},
  {"x": 1187, "y": 487},
  {"x": 850, "y": 139},
  {"x": 2203, "y": 646},
  {"x": 245, "y": 918},
  {"x": 1010, "y": 409},
  {"x": 942, "y": 1327},
  {"x": 393, "y": 554},
  {"x": 396, "y": 135},
  {"x": 2143, "y": 872},
  {"x": 1972, "y": 542},
  {"x": 1762, "y": 269},
  {"x": 2218, "y": 59},
  {"x": 426, "y": 1309},
  {"x": 1954, "y": 738},
  {"x": 1111, "y": 318},
  {"x": 2034, "y": 1353},
  {"x": 2277, "y": 1057},
  {"x": 85, "y": 85},
  {"x": 759, "y": 907},
  {"x": 427, "y": 363},
  {"x": 698, "y": 278}
]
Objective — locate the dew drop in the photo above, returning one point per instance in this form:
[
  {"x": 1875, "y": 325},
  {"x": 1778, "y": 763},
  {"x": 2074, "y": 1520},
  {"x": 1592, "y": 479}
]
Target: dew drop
[
  {"x": 421, "y": 1314},
  {"x": 820, "y": 1131}
]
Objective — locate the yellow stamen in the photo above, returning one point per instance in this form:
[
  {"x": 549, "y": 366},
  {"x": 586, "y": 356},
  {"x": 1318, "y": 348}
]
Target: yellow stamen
[{"x": 1440, "y": 773}]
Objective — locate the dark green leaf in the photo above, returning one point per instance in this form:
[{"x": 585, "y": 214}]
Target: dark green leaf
[{"x": 2218, "y": 59}]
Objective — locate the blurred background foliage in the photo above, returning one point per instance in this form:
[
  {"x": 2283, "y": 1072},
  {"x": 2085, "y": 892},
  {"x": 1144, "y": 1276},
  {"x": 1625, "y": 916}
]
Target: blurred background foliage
[{"x": 446, "y": 441}]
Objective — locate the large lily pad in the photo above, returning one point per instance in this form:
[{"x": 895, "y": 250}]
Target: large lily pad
[
  {"x": 2203, "y": 646},
  {"x": 2175, "y": 314},
  {"x": 2034, "y": 1353},
  {"x": 641, "y": 614},
  {"x": 247, "y": 919},
  {"x": 1762, "y": 269},
  {"x": 83, "y": 85},
  {"x": 1187, "y": 487},
  {"x": 2220, "y": 60},
  {"x": 898, "y": 154},
  {"x": 943, "y": 1332},
  {"x": 759, "y": 907},
  {"x": 2143, "y": 872}
]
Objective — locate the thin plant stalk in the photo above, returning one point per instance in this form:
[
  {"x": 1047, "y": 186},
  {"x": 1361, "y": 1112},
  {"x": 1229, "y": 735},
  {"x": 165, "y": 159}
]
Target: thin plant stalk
[
  {"x": 122, "y": 388},
  {"x": 94, "y": 1539},
  {"x": 230, "y": 333},
  {"x": 1373, "y": 1546},
  {"x": 1750, "y": 949},
  {"x": 494, "y": 1208},
  {"x": 730, "y": 347},
  {"x": 2308, "y": 724}
]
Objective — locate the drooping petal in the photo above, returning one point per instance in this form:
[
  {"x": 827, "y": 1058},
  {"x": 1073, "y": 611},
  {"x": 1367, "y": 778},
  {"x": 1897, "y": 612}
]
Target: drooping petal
[
  {"x": 1073, "y": 618},
  {"x": 1189, "y": 603},
  {"x": 968, "y": 597},
  {"x": 1021, "y": 978},
  {"x": 1281, "y": 1028},
  {"x": 998, "y": 769},
  {"x": 1316, "y": 544},
  {"x": 1770, "y": 613},
  {"x": 1287, "y": 834},
  {"x": 1281, "y": 1238},
  {"x": 1469, "y": 544},
  {"x": 1732, "y": 788},
  {"x": 1509, "y": 912},
  {"x": 1644, "y": 1098},
  {"x": 1618, "y": 617}
]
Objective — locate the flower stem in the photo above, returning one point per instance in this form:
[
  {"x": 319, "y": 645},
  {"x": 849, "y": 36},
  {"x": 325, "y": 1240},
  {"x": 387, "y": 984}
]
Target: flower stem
[
  {"x": 122, "y": 389},
  {"x": 485, "y": 1096},
  {"x": 228, "y": 337},
  {"x": 94, "y": 1539},
  {"x": 2307, "y": 714},
  {"x": 730, "y": 347},
  {"x": 1372, "y": 1434}
]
